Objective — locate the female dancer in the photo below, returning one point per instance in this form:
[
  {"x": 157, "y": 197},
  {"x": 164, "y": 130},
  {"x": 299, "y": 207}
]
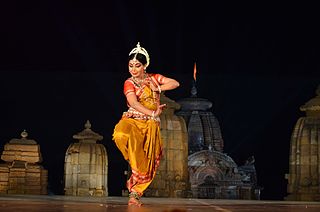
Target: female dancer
[{"x": 137, "y": 134}]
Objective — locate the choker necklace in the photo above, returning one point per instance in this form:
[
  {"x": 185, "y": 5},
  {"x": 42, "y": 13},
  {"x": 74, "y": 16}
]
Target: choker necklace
[{"x": 139, "y": 81}]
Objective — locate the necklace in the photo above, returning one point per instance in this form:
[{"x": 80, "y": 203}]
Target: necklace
[{"x": 139, "y": 81}]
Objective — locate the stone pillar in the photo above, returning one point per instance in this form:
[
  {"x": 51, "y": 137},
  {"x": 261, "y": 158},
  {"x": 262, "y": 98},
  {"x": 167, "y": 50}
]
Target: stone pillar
[
  {"x": 21, "y": 174},
  {"x": 304, "y": 162},
  {"x": 86, "y": 165},
  {"x": 172, "y": 178}
]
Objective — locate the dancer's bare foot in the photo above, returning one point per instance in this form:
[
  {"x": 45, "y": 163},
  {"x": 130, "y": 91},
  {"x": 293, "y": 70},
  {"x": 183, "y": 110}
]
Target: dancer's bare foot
[
  {"x": 134, "y": 202},
  {"x": 134, "y": 199}
]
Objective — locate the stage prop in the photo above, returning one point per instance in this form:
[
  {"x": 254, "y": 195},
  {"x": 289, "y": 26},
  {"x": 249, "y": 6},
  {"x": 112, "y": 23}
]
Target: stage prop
[
  {"x": 22, "y": 172},
  {"x": 212, "y": 173},
  {"x": 86, "y": 165},
  {"x": 304, "y": 160},
  {"x": 172, "y": 179}
]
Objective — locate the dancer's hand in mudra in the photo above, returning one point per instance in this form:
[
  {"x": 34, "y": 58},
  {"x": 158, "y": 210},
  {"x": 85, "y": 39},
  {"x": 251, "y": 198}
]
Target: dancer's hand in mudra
[{"x": 159, "y": 110}]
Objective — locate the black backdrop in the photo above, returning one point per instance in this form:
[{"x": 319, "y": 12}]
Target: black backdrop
[{"x": 63, "y": 62}]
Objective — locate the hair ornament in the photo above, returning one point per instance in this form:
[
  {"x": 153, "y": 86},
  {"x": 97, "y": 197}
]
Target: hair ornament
[{"x": 141, "y": 50}]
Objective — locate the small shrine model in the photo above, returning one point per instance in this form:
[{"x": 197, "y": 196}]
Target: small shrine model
[
  {"x": 304, "y": 162},
  {"x": 22, "y": 173},
  {"x": 172, "y": 178},
  {"x": 86, "y": 165}
]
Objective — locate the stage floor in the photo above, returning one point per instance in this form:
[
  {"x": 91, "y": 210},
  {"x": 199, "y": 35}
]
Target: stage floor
[{"x": 116, "y": 204}]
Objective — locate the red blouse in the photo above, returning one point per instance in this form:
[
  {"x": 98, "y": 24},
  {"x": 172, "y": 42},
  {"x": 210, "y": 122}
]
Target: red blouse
[{"x": 131, "y": 86}]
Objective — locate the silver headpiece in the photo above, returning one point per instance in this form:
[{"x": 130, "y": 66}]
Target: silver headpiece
[{"x": 141, "y": 50}]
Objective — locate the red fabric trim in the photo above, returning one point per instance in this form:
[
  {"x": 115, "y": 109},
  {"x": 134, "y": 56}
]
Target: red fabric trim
[{"x": 139, "y": 178}]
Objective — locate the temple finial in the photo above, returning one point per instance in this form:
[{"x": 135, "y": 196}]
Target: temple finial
[{"x": 87, "y": 125}]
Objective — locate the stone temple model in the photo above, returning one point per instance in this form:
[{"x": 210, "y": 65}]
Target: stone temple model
[
  {"x": 212, "y": 173},
  {"x": 304, "y": 162},
  {"x": 172, "y": 178},
  {"x": 22, "y": 173},
  {"x": 203, "y": 127},
  {"x": 86, "y": 165}
]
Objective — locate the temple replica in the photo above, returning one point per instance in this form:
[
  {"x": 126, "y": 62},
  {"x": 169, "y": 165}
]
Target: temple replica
[
  {"x": 304, "y": 162},
  {"x": 194, "y": 164},
  {"x": 21, "y": 173},
  {"x": 172, "y": 177},
  {"x": 212, "y": 173},
  {"x": 86, "y": 165}
]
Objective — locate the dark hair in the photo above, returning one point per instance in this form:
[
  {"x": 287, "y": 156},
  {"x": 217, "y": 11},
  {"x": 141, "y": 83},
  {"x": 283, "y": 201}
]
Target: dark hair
[{"x": 142, "y": 59}]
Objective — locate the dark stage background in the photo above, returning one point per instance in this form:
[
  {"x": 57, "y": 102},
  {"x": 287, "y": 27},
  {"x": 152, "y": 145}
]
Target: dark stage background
[{"x": 63, "y": 62}]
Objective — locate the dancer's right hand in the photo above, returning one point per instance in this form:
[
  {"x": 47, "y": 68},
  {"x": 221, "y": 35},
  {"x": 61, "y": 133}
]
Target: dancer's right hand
[{"x": 159, "y": 110}]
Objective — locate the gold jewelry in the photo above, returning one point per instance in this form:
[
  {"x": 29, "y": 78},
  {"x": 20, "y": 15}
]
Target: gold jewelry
[
  {"x": 134, "y": 195},
  {"x": 138, "y": 81},
  {"x": 140, "y": 50},
  {"x": 134, "y": 199}
]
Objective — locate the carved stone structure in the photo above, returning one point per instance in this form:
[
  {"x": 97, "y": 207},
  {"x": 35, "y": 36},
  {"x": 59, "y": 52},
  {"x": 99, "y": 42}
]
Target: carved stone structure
[
  {"x": 86, "y": 165},
  {"x": 212, "y": 173},
  {"x": 22, "y": 174},
  {"x": 215, "y": 175},
  {"x": 304, "y": 162},
  {"x": 203, "y": 127},
  {"x": 172, "y": 176}
]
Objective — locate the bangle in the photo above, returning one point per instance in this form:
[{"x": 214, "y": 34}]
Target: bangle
[
  {"x": 152, "y": 115},
  {"x": 159, "y": 88}
]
